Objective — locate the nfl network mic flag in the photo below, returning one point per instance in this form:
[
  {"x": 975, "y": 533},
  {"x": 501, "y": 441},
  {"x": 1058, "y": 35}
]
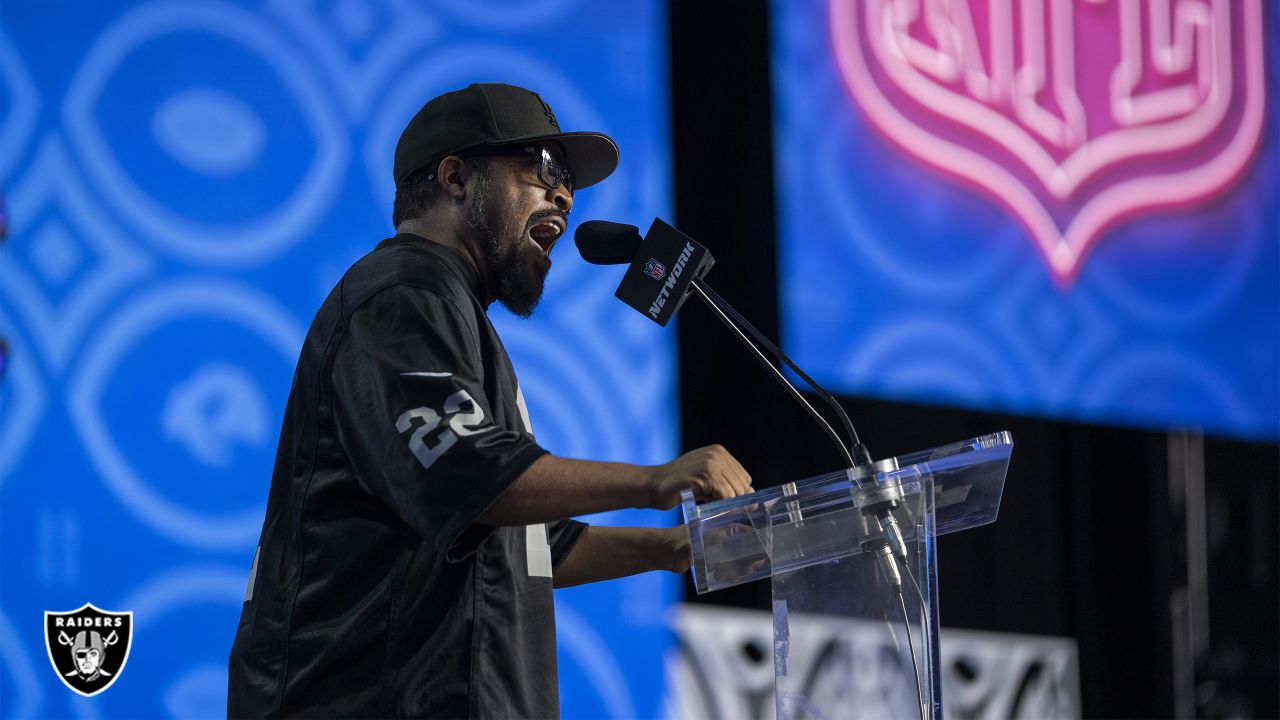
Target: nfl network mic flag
[{"x": 661, "y": 273}]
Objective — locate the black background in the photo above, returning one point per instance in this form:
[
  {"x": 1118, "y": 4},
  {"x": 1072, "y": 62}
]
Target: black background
[{"x": 1089, "y": 544}]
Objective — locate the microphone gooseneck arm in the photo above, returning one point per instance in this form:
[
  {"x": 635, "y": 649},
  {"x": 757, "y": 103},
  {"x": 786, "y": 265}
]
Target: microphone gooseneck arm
[
  {"x": 861, "y": 455},
  {"x": 704, "y": 293},
  {"x": 891, "y": 549},
  {"x": 855, "y": 454}
]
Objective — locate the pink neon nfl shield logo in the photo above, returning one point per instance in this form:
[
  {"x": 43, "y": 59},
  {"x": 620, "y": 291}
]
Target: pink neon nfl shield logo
[{"x": 1072, "y": 114}]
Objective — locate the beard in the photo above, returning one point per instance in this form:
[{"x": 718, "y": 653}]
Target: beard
[{"x": 518, "y": 271}]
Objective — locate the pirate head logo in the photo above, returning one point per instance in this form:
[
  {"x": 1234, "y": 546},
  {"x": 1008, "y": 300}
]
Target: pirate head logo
[{"x": 88, "y": 647}]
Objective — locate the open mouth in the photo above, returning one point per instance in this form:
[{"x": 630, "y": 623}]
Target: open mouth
[{"x": 546, "y": 232}]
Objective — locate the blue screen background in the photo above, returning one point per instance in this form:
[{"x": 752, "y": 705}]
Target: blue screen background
[
  {"x": 184, "y": 183},
  {"x": 899, "y": 283}
]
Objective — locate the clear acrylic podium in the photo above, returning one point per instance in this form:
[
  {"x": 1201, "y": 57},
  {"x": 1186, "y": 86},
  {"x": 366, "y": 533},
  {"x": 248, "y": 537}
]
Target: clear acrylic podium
[{"x": 822, "y": 541}]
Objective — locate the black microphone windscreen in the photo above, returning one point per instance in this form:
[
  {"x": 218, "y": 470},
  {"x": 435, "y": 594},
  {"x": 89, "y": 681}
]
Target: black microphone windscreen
[{"x": 607, "y": 243}]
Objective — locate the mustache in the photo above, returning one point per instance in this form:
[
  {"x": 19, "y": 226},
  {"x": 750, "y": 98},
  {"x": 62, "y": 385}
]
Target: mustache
[{"x": 541, "y": 215}]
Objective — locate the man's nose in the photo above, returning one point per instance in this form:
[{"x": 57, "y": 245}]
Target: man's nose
[{"x": 562, "y": 198}]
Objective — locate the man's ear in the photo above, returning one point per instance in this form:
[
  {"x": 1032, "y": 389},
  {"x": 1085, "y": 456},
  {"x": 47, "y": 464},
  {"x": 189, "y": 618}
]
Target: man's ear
[{"x": 449, "y": 173}]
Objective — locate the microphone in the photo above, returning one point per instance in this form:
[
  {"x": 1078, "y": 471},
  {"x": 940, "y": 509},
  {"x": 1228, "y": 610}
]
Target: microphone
[
  {"x": 664, "y": 264},
  {"x": 659, "y": 271},
  {"x": 659, "y": 280},
  {"x": 607, "y": 243},
  {"x": 662, "y": 272}
]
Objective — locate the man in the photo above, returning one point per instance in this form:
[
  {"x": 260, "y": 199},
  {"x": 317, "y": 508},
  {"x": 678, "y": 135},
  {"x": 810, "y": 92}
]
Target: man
[
  {"x": 414, "y": 528},
  {"x": 89, "y": 651}
]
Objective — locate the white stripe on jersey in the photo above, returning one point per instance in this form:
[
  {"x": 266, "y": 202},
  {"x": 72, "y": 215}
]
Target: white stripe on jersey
[{"x": 537, "y": 549}]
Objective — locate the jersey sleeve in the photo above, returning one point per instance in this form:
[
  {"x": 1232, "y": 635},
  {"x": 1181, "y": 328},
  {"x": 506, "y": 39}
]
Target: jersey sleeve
[
  {"x": 562, "y": 535},
  {"x": 413, "y": 418}
]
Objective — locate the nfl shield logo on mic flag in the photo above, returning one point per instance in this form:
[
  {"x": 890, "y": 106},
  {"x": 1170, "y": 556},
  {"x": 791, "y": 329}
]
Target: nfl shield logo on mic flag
[{"x": 655, "y": 269}]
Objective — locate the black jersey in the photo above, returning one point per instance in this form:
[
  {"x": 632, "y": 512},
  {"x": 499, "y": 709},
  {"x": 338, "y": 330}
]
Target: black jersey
[{"x": 374, "y": 591}]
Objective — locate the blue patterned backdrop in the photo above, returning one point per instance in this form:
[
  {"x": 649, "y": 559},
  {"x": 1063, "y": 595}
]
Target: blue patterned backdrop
[
  {"x": 904, "y": 282},
  {"x": 184, "y": 182}
]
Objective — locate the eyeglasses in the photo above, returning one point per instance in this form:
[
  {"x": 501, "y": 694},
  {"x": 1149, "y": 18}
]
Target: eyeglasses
[{"x": 553, "y": 170}]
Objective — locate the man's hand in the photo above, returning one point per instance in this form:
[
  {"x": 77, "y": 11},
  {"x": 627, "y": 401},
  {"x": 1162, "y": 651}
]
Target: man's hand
[
  {"x": 676, "y": 540},
  {"x": 605, "y": 553},
  {"x": 710, "y": 472},
  {"x": 553, "y": 488}
]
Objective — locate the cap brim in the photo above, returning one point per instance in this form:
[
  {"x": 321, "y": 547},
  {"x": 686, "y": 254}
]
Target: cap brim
[{"x": 592, "y": 156}]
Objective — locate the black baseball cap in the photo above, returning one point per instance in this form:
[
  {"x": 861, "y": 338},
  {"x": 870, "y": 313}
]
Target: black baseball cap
[{"x": 493, "y": 115}]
